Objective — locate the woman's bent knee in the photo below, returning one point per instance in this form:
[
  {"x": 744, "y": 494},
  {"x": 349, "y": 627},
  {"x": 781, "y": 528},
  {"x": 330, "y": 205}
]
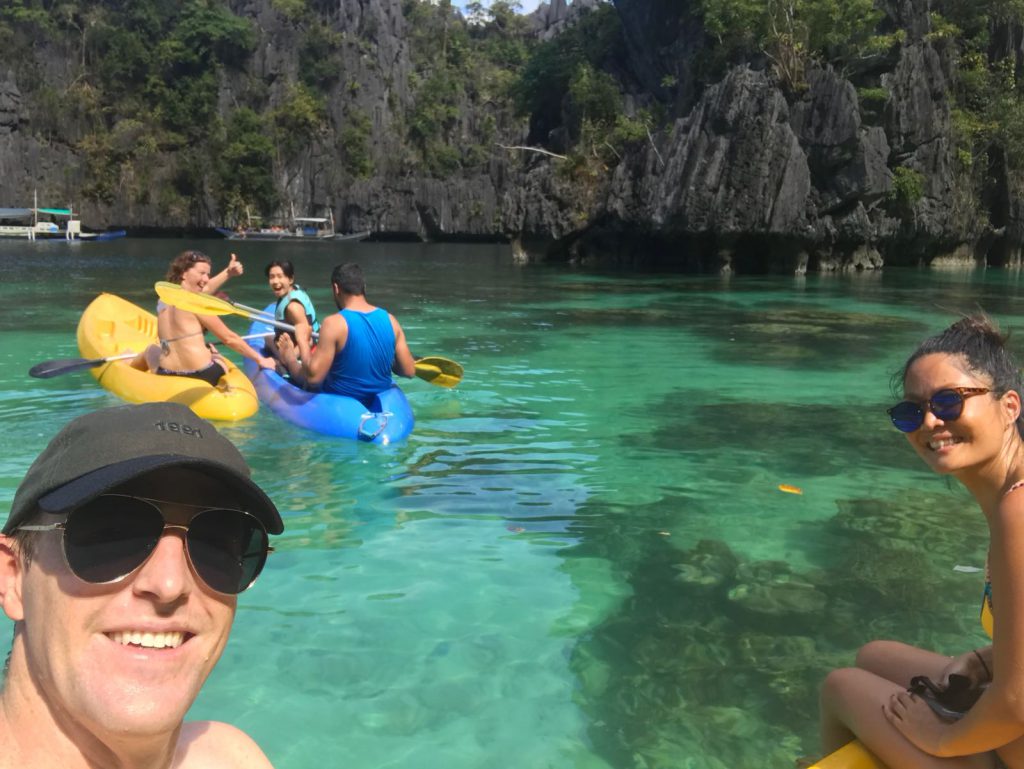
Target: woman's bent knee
[
  {"x": 837, "y": 682},
  {"x": 871, "y": 654}
]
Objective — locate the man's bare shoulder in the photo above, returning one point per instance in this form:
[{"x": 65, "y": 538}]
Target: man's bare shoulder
[{"x": 216, "y": 745}]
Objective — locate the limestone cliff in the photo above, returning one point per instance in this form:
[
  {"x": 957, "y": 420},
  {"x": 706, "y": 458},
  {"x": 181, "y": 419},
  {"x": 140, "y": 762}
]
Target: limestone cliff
[{"x": 743, "y": 173}]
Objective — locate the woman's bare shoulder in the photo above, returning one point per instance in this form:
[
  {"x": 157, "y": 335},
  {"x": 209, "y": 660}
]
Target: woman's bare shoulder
[{"x": 216, "y": 745}]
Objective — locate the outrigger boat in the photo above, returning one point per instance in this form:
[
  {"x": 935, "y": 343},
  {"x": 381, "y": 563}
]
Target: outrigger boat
[
  {"x": 305, "y": 228},
  {"x": 27, "y": 225}
]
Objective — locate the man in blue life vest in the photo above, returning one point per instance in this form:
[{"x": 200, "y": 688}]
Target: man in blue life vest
[{"x": 359, "y": 348}]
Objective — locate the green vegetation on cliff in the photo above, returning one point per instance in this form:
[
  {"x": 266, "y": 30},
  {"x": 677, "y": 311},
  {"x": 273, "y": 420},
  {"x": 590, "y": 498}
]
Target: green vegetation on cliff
[
  {"x": 185, "y": 105},
  {"x": 988, "y": 118}
]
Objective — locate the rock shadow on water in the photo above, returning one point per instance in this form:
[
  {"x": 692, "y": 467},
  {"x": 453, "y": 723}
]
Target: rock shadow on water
[
  {"x": 706, "y": 659},
  {"x": 892, "y": 564},
  {"x": 857, "y": 436},
  {"x": 721, "y": 657},
  {"x": 810, "y": 337}
]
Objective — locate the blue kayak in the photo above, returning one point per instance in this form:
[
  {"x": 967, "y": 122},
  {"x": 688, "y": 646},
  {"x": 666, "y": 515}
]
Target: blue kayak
[{"x": 388, "y": 419}]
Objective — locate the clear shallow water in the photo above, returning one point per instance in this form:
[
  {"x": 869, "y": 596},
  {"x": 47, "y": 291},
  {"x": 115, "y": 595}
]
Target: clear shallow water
[{"x": 581, "y": 557}]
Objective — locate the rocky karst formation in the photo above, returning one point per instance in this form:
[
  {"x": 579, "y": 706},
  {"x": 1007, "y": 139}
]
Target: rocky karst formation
[{"x": 745, "y": 174}]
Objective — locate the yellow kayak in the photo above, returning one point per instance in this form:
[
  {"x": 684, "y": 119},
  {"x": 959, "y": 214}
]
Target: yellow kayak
[
  {"x": 853, "y": 755},
  {"x": 112, "y": 326}
]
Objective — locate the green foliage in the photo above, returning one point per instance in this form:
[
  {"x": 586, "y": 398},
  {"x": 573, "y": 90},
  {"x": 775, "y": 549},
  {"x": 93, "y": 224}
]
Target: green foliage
[
  {"x": 299, "y": 119},
  {"x": 28, "y": 14},
  {"x": 244, "y": 166},
  {"x": 987, "y": 120},
  {"x": 548, "y": 74},
  {"x": 214, "y": 34},
  {"x": 355, "y": 144},
  {"x": 457, "y": 65},
  {"x": 594, "y": 95},
  {"x": 792, "y": 32},
  {"x": 175, "y": 69},
  {"x": 627, "y": 130},
  {"x": 907, "y": 187},
  {"x": 320, "y": 64},
  {"x": 874, "y": 98},
  {"x": 436, "y": 108},
  {"x": 290, "y": 9},
  {"x": 942, "y": 28}
]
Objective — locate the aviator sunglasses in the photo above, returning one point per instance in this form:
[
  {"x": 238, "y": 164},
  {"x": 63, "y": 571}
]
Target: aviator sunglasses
[
  {"x": 947, "y": 404},
  {"x": 109, "y": 537}
]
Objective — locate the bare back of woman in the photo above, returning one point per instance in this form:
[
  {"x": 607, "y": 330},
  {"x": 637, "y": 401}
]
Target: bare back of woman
[{"x": 182, "y": 344}]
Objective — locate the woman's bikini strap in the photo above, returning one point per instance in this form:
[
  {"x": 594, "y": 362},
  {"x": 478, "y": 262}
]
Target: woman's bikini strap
[
  {"x": 165, "y": 344},
  {"x": 1014, "y": 487}
]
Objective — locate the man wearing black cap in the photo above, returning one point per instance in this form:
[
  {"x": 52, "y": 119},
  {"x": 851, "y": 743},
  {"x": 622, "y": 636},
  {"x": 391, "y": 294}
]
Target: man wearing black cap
[{"x": 127, "y": 544}]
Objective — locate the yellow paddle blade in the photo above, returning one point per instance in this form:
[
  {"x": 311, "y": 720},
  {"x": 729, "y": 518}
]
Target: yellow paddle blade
[
  {"x": 447, "y": 367},
  {"x": 192, "y": 301},
  {"x": 439, "y": 371}
]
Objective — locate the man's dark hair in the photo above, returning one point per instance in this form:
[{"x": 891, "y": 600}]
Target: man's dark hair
[
  {"x": 349, "y": 278},
  {"x": 286, "y": 267}
]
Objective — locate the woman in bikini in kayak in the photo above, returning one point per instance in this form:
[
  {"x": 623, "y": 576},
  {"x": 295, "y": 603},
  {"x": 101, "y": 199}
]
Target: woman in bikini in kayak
[
  {"x": 183, "y": 350},
  {"x": 962, "y": 415}
]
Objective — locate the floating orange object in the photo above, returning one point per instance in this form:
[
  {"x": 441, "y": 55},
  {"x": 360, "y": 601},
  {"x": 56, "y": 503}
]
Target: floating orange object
[{"x": 790, "y": 489}]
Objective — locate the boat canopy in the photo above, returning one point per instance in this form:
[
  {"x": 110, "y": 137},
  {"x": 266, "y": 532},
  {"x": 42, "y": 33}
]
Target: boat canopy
[
  {"x": 21, "y": 213},
  {"x": 312, "y": 219}
]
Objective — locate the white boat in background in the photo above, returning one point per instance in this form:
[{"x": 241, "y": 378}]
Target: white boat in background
[
  {"x": 306, "y": 228},
  {"x": 25, "y": 223}
]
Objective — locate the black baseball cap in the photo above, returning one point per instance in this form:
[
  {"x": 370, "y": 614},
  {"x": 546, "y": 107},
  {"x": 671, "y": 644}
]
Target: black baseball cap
[{"x": 103, "y": 449}]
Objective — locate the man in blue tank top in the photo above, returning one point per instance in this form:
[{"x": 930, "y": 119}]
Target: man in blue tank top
[{"x": 360, "y": 347}]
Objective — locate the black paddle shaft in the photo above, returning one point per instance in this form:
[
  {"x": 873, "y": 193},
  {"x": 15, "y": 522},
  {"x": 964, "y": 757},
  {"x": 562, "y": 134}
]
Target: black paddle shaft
[{"x": 52, "y": 368}]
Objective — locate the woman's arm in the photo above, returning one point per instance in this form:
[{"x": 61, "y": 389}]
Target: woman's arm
[
  {"x": 233, "y": 269},
  {"x": 218, "y": 328}
]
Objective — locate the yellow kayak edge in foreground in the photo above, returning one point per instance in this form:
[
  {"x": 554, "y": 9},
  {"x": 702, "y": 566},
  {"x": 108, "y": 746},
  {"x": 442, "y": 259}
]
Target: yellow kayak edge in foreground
[{"x": 853, "y": 755}]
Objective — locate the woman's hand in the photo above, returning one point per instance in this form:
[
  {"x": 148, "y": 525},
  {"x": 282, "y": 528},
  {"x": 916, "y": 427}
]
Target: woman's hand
[
  {"x": 915, "y": 720},
  {"x": 235, "y": 267},
  {"x": 269, "y": 363}
]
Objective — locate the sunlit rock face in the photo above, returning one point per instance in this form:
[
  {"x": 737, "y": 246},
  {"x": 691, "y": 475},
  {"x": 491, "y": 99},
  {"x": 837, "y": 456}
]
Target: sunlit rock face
[{"x": 741, "y": 172}]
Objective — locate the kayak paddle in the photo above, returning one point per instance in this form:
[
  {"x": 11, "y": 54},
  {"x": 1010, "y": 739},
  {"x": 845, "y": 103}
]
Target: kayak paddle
[
  {"x": 51, "y": 368},
  {"x": 205, "y": 304},
  {"x": 439, "y": 371}
]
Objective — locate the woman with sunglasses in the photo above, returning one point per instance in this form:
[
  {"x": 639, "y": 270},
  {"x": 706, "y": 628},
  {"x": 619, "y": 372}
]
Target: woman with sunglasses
[
  {"x": 962, "y": 415},
  {"x": 183, "y": 349},
  {"x": 127, "y": 544}
]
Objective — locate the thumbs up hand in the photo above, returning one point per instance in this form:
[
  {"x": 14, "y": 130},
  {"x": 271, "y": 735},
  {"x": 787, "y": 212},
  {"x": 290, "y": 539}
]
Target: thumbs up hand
[{"x": 235, "y": 267}]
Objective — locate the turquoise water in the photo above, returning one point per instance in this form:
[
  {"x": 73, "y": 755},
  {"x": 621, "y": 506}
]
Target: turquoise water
[{"x": 581, "y": 557}]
